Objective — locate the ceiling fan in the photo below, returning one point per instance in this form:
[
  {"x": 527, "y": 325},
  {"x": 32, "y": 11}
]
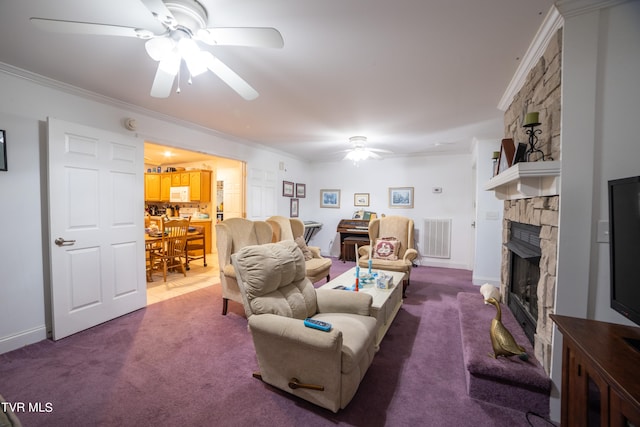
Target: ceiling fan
[
  {"x": 360, "y": 152},
  {"x": 185, "y": 23}
]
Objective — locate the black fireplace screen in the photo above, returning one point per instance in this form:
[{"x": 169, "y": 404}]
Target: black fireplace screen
[{"x": 524, "y": 275}]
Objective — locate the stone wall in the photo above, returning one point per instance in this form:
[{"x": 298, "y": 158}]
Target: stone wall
[
  {"x": 542, "y": 212},
  {"x": 541, "y": 92}
]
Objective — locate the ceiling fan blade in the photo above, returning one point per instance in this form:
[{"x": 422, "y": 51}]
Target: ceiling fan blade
[
  {"x": 162, "y": 83},
  {"x": 159, "y": 10},
  {"x": 256, "y": 37},
  {"x": 74, "y": 27},
  {"x": 229, "y": 76},
  {"x": 379, "y": 150}
]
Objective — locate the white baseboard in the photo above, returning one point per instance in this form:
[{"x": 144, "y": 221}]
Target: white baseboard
[
  {"x": 479, "y": 280},
  {"x": 21, "y": 339}
]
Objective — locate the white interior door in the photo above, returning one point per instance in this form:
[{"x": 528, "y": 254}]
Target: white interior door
[
  {"x": 96, "y": 200},
  {"x": 233, "y": 190}
]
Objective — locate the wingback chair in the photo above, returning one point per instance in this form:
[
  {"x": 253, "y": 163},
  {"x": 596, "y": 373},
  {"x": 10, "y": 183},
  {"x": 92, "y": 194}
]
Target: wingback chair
[
  {"x": 232, "y": 235},
  {"x": 317, "y": 266},
  {"x": 324, "y": 368},
  {"x": 399, "y": 228}
]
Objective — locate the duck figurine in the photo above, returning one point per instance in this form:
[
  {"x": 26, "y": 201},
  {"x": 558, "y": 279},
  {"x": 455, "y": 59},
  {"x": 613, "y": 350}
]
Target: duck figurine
[{"x": 501, "y": 339}]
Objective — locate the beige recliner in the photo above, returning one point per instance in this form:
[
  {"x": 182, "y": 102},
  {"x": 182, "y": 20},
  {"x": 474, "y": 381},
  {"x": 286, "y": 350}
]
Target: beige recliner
[
  {"x": 324, "y": 368},
  {"x": 400, "y": 228},
  {"x": 232, "y": 235},
  {"x": 284, "y": 228}
]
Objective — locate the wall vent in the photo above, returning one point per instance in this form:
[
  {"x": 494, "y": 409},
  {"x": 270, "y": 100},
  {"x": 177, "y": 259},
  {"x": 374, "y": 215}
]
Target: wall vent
[{"x": 437, "y": 238}]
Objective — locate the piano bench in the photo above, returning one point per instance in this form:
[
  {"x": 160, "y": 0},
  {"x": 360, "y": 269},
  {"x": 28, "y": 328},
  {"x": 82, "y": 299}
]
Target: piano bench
[{"x": 348, "y": 252}]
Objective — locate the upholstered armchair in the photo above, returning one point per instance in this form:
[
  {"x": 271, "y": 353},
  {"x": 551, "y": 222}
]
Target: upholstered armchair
[
  {"x": 324, "y": 368},
  {"x": 391, "y": 246},
  {"x": 317, "y": 266},
  {"x": 232, "y": 235}
]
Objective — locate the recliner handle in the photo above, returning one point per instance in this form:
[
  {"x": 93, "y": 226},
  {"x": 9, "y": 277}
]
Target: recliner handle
[{"x": 294, "y": 384}]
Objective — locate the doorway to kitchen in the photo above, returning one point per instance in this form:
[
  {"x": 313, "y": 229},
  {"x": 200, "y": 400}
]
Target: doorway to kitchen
[{"x": 183, "y": 183}]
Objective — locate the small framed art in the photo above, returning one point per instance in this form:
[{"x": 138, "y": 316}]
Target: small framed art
[
  {"x": 329, "y": 198},
  {"x": 287, "y": 188},
  {"x": 361, "y": 199},
  {"x": 507, "y": 152},
  {"x": 401, "y": 197},
  {"x": 3, "y": 151},
  {"x": 301, "y": 191},
  {"x": 520, "y": 153},
  {"x": 293, "y": 208}
]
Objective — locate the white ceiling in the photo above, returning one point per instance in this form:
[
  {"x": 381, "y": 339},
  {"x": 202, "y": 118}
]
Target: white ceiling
[{"x": 414, "y": 76}]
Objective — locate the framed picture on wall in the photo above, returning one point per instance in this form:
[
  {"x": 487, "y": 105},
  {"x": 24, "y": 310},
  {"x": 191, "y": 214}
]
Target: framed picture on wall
[
  {"x": 401, "y": 197},
  {"x": 329, "y": 198},
  {"x": 3, "y": 151},
  {"x": 293, "y": 208},
  {"x": 301, "y": 191},
  {"x": 287, "y": 188},
  {"x": 361, "y": 199}
]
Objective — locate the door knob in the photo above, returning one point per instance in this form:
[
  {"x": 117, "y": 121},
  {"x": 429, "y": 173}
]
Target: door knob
[{"x": 61, "y": 242}]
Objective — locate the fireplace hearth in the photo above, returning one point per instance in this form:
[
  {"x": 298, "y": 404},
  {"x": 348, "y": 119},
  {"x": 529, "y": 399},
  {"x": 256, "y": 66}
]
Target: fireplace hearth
[{"x": 522, "y": 295}]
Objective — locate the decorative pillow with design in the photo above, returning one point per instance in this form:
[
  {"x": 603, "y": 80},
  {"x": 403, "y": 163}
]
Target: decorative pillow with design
[
  {"x": 303, "y": 247},
  {"x": 386, "y": 248}
]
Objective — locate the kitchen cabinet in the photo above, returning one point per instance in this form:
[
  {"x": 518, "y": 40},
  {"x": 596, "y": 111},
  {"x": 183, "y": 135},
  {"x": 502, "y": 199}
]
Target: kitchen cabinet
[
  {"x": 165, "y": 186},
  {"x": 157, "y": 185},
  {"x": 152, "y": 187},
  {"x": 600, "y": 379}
]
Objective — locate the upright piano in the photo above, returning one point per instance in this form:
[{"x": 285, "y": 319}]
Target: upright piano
[{"x": 352, "y": 232}]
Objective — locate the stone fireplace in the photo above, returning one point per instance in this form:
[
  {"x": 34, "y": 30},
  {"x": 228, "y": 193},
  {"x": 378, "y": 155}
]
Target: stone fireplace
[{"x": 535, "y": 276}]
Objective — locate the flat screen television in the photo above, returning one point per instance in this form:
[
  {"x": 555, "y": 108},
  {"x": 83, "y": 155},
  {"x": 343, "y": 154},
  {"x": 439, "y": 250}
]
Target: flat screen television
[{"x": 624, "y": 246}]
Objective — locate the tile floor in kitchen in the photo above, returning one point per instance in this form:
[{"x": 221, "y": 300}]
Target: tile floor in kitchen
[{"x": 198, "y": 277}]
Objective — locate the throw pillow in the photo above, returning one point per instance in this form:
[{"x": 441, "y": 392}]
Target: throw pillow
[
  {"x": 386, "y": 248},
  {"x": 303, "y": 247}
]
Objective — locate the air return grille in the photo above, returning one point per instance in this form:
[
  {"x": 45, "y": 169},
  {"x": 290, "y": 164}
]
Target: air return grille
[{"x": 437, "y": 238}]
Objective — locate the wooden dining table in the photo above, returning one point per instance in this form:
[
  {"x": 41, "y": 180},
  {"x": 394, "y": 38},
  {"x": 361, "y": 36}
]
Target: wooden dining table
[{"x": 151, "y": 242}]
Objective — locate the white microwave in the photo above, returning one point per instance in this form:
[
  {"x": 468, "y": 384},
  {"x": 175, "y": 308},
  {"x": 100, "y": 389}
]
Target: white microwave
[{"x": 179, "y": 194}]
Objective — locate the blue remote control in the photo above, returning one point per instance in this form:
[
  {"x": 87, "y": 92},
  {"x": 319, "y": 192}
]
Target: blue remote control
[{"x": 317, "y": 324}]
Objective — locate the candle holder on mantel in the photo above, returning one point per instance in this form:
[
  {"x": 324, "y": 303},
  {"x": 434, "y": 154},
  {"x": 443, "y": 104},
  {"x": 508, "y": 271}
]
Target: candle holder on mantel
[{"x": 531, "y": 122}]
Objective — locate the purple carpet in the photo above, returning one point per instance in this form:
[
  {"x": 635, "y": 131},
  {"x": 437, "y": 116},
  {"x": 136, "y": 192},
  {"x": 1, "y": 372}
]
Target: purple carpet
[{"x": 180, "y": 362}]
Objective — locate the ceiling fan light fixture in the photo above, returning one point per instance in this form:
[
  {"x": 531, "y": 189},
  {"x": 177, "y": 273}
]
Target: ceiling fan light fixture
[
  {"x": 170, "y": 63},
  {"x": 158, "y": 47},
  {"x": 196, "y": 62}
]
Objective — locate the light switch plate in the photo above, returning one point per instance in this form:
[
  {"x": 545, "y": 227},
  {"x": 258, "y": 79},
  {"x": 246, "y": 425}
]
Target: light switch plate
[{"x": 603, "y": 232}]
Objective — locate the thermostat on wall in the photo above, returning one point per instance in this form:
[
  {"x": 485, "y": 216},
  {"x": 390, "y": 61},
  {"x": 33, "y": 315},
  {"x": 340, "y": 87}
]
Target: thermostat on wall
[{"x": 437, "y": 190}]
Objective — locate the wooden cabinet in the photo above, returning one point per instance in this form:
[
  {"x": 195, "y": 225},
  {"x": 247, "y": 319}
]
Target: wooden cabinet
[
  {"x": 152, "y": 187},
  {"x": 200, "y": 184},
  {"x": 157, "y": 185},
  {"x": 600, "y": 379},
  {"x": 165, "y": 186}
]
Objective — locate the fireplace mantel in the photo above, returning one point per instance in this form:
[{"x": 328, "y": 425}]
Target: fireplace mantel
[{"x": 527, "y": 179}]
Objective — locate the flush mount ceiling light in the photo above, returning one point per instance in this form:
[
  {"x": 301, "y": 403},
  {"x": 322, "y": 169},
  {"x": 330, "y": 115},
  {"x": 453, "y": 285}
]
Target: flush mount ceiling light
[
  {"x": 185, "y": 23},
  {"x": 360, "y": 152}
]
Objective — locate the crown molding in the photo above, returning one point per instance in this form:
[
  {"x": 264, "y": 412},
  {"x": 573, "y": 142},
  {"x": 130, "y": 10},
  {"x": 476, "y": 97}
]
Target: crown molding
[
  {"x": 569, "y": 8},
  {"x": 93, "y": 96},
  {"x": 552, "y": 22}
]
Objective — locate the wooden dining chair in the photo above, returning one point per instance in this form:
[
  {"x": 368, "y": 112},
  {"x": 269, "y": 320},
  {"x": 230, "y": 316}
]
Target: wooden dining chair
[{"x": 171, "y": 253}]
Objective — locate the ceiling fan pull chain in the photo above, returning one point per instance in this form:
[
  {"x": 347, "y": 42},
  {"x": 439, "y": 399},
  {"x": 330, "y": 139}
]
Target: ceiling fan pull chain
[{"x": 178, "y": 88}]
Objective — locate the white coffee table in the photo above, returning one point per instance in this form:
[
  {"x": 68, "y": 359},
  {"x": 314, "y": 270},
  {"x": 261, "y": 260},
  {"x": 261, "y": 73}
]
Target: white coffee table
[{"x": 386, "y": 302}]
